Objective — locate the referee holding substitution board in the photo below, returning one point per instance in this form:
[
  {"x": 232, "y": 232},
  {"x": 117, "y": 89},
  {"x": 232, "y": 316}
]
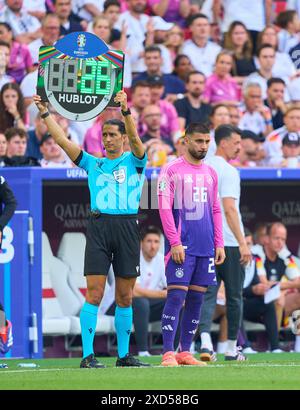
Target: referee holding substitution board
[{"x": 115, "y": 184}]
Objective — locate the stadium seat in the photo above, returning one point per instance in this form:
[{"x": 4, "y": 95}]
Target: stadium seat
[
  {"x": 71, "y": 252},
  {"x": 54, "y": 322}
]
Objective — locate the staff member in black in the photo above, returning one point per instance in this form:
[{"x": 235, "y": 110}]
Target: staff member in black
[{"x": 9, "y": 201}]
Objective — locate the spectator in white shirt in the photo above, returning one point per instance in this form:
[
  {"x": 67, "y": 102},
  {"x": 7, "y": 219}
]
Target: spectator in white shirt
[
  {"x": 35, "y": 8},
  {"x": 288, "y": 37},
  {"x": 266, "y": 57},
  {"x": 256, "y": 117},
  {"x": 25, "y": 27},
  {"x": 136, "y": 21},
  {"x": 293, "y": 5},
  {"x": 50, "y": 34},
  {"x": 88, "y": 9},
  {"x": 255, "y": 14},
  {"x": 199, "y": 49},
  {"x": 53, "y": 155},
  {"x": 273, "y": 143},
  {"x": 4, "y": 60},
  {"x": 283, "y": 66}
]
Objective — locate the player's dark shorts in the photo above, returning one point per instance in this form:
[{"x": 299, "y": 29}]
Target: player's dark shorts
[
  {"x": 195, "y": 270},
  {"x": 112, "y": 239}
]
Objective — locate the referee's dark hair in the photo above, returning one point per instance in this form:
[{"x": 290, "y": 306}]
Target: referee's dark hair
[
  {"x": 120, "y": 124},
  {"x": 151, "y": 229},
  {"x": 197, "y": 127},
  {"x": 224, "y": 132}
]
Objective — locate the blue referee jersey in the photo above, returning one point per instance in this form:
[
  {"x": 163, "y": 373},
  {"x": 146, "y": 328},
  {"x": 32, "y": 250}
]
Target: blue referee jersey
[{"x": 115, "y": 184}]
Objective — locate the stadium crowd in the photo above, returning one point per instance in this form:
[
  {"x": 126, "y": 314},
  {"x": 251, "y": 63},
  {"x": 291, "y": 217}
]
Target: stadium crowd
[{"x": 213, "y": 61}]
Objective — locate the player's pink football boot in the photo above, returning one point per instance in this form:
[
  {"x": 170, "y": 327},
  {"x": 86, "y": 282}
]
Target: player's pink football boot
[
  {"x": 187, "y": 359},
  {"x": 169, "y": 360}
]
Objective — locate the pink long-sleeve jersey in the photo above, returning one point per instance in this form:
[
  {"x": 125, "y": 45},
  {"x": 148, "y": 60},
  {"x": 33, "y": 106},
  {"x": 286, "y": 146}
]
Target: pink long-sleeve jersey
[{"x": 189, "y": 207}]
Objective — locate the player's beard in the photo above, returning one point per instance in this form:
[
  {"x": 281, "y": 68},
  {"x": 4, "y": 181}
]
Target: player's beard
[{"x": 198, "y": 155}]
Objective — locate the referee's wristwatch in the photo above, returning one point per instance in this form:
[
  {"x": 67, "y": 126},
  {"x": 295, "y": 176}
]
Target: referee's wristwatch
[{"x": 125, "y": 113}]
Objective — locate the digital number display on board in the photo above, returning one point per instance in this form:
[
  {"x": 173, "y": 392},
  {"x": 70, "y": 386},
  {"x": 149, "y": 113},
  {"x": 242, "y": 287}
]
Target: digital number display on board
[{"x": 80, "y": 75}]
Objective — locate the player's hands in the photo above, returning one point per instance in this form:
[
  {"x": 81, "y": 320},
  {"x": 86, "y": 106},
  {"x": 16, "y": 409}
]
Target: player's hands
[
  {"x": 41, "y": 105},
  {"x": 245, "y": 252},
  {"x": 178, "y": 254},
  {"x": 121, "y": 98},
  {"x": 220, "y": 256}
]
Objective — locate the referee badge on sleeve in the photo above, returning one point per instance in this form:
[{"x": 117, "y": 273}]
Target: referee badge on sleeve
[{"x": 119, "y": 175}]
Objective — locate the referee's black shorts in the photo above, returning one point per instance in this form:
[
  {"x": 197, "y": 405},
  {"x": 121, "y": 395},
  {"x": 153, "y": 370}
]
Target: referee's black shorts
[{"x": 112, "y": 239}]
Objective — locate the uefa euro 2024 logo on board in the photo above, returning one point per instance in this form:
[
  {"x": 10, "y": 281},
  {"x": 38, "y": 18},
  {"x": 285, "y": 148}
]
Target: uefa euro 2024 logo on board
[{"x": 81, "y": 40}]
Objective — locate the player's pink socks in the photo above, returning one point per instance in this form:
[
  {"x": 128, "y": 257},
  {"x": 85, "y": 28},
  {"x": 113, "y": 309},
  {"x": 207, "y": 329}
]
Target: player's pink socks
[
  {"x": 170, "y": 317},
  {"x": 190, "y": 319}
]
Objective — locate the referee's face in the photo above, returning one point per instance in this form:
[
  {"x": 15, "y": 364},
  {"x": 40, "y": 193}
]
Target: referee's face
[{"x": 113, "y": 140}]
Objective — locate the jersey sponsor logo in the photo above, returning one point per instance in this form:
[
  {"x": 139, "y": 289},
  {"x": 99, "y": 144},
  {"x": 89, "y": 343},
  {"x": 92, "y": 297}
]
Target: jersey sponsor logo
[
  {"x": 162, "y": 186},
  {"x": 179, "y": 273},
  {"x": 120, "y": 175}
]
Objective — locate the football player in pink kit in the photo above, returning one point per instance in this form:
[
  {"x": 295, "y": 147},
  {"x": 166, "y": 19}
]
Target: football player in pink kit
[{"x": 190, "y": 212}]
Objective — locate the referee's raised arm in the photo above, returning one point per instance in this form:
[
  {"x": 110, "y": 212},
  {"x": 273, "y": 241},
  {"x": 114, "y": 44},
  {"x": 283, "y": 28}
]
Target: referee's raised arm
[
  {"x": 70, "y": 148},
  {"x": 135, "y": 142}
]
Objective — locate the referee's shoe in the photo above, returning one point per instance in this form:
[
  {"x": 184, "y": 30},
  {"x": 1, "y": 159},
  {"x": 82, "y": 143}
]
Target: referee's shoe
[
  {"x": 130, "y": 361},
  {"x": 90, "y": 362}
]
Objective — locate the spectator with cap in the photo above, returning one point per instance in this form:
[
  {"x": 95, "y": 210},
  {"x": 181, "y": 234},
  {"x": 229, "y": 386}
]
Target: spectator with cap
[
  {"x": 69, "y": 21},
  {"x": 20, "y": 61},
  {"x": 153, "y": 61},
  {"x": 201, "y": 51},
  {"x": 191, "y": 108},
  {"x": 255, "y": 115},
  {"x": 275, "y": 100},
  {"x": 251, "y": 152},
  {"x": 291, "y": 151},
  {"x": 273, "y": 143},
  {"x": 169, "y": 125},
  {"x": 52, "y": 154},
  {"x": 221, "y": 87},
  {"x": 171, "y": 10},
  {"x": 25, "y": 27}
]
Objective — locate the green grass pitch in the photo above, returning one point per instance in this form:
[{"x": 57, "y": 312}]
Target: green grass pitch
[{"x": 262, "y": 371}]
